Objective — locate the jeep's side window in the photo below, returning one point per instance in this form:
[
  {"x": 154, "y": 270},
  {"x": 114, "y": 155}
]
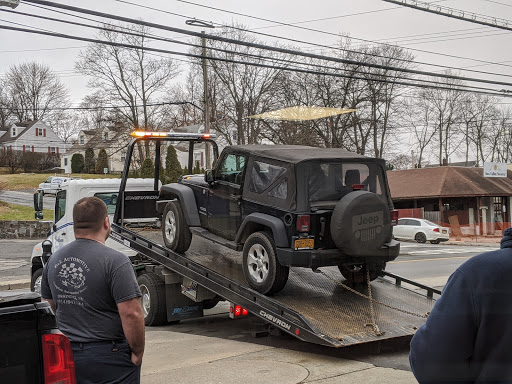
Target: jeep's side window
[
  {"x": 280, "y": 191},
  {"x": 263, "y": 175},
  {"x": 232, "y": 168},
  {"x": 60, "y": 205}
]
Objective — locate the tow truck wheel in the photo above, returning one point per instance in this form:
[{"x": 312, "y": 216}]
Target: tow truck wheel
[
  {"x": 260, "y": 265},
  {"x": 175, "y": 231},
  {"x": 35, "y": 281},
  {"x": 152, "y": 288},
  {"x": 356, "y": 274}
]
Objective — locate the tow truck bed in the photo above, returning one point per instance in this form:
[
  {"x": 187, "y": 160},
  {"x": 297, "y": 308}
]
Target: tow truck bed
[{"x": 313, "y": 306}]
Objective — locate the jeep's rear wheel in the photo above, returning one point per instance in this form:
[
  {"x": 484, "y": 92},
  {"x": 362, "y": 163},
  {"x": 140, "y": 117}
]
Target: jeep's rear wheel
[
  {"x": 260, "y": 265},
  {"x": 356, "y": 273},
  {"x": 175, "y": 231}
]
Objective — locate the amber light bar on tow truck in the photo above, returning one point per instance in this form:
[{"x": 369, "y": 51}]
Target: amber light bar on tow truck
[
  {"x": 177, "y": 136},
  {"x": 236, "y": 311}
]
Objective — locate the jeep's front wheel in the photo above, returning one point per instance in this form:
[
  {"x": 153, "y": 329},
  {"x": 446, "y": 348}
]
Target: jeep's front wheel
[
  {"x": 356, "y": 274},
  {"x": 175, "y": 231},
  {"x": 260, "y": 265}
]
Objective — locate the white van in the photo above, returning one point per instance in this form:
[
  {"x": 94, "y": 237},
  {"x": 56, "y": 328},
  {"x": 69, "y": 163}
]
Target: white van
[{"x": 69, "y": 192}]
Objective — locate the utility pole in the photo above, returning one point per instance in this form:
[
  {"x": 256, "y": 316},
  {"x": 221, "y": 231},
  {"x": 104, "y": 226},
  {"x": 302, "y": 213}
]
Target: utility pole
[{"x": 206, "y": 104}]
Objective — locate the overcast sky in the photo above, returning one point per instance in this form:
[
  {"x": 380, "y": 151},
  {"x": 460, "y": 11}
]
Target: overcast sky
[{"x": 373, "y": 20}]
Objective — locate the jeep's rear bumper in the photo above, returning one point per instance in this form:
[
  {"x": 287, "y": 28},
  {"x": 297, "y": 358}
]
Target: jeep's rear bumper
[{"x": 314, "y": 258}]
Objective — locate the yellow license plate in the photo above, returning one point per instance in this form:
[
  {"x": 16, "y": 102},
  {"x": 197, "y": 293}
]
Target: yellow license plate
[{"x": 304, "y": 243}]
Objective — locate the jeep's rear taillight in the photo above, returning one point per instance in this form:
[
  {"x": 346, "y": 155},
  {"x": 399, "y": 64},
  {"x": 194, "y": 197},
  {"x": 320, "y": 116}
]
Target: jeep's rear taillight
[
  {"x": 436, "y": 229},
  {"x": 394, "y": 217},
  {"x": 59, "y": 366},
  {"x": 357, "y": 187},
  {"x": 303, "y": 223}
]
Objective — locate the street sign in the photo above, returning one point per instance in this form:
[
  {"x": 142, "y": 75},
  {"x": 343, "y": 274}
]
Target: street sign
[{"x": 493, "y": 169}]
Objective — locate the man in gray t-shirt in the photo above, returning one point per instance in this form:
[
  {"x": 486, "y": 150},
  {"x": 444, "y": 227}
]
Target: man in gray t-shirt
[{"x": 95, "y": 294}]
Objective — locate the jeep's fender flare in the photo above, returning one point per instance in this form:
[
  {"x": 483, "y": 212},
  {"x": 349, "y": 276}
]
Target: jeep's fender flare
[
  {"x": 274, "y": 223},
  {"x": 186, "y": 197}
]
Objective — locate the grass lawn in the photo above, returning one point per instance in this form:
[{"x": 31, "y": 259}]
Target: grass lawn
[
  {"x": 20, "y": 212},
  {"x": 20, "y": 181}
]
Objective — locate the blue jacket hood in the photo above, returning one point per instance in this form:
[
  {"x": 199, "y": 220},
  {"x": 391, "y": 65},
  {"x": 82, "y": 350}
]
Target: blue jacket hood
[{"x": 506, "y": 241}]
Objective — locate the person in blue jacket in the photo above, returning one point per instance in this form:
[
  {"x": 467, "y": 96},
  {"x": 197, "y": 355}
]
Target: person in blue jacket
[{"x": 467, "y": 337}]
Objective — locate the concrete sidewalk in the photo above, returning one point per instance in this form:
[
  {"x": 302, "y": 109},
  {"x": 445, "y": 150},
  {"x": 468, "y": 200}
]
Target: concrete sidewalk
[{"x": 217, "y": 350}]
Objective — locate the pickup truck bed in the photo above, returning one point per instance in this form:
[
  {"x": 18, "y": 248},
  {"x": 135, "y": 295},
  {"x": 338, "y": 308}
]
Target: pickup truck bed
[{"x": 32, "y": 349}]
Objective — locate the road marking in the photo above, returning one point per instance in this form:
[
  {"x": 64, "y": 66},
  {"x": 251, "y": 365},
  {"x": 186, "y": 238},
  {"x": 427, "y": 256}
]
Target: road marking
[
  {"x": 6, "y": 264},
  {"x": 442, "y": 251},
  {"x": 439, "y": 258}
]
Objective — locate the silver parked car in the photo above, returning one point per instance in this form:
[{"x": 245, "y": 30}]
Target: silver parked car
[{"x": 421, "y": 230}]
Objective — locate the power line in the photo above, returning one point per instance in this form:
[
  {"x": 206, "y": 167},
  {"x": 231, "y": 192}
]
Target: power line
[
  {"x": 179, "y": 42},
  {"x": 261, "y": 46},
  {"x": 447, "y": 67},
  {"x": 351, "y": 37},
  {"x": 104, "y": 107},
  {"x": 458, "y": 14},
  {"x": 497, "y": 2},
  {"x": 488, "y": 91}
]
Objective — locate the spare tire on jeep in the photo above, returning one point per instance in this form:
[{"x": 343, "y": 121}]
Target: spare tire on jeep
[{"x": 360, "y": 223}]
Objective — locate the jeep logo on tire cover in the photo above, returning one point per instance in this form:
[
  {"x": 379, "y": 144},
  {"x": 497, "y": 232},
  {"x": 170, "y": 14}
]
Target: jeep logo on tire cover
[{"x": 367, "y": 221}]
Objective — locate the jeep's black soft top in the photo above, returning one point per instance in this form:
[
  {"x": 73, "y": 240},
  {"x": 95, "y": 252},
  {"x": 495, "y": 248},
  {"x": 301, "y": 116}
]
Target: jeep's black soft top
[{"x": 295, "y": 154}]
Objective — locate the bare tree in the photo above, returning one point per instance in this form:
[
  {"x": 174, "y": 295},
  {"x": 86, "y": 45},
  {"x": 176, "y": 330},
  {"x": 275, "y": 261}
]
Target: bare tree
[
  {"x": 238, "y": 90},
  {"x": 447, "y": 105},
  {"x": 68, "y": 126},
  {"x": 130, "y": 78},
  {"x": 34, "y": 92}
]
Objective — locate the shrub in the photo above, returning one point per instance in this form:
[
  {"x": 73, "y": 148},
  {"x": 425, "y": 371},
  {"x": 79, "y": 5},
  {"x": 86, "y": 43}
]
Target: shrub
[
  {"x": 102, "y": 161},
  {"x": 148, "y": 169},
  {"x": 77, "y": 163},
  {"x": 172, "y": 166},
  {"x": 90, "y": 162}
]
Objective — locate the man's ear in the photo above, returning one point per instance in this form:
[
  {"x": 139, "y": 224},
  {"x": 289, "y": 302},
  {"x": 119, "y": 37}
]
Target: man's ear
[{"x": 106, "y": 222}]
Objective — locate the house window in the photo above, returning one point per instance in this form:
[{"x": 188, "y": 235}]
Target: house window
[
  {"x": 32, "y": 148},
  {"x": 65, "y": 161},
  {"x": 39, "y": 131},
  {"x": 53, "y": 150},
  {"x": 82, "y": 141},
  {"x": 105, "y": 136},
  {"x": 123, "y": 155},
  {"x": 13, "y": 131}
]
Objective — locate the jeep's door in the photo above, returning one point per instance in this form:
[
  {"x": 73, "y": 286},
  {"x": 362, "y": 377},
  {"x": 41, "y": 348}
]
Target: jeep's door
[{"x": 224, "y": 196}]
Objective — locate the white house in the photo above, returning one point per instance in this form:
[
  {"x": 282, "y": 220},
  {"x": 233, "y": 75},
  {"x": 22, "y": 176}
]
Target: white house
[
  {"x": 113, "y": 139},
  {"x": 31, "y": 136}
]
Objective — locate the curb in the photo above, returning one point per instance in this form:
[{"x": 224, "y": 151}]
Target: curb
[{"x": 14, "y": 284}]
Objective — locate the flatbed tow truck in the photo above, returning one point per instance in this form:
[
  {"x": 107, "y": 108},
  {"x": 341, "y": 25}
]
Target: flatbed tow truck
[{"x": 315, "y": 306}]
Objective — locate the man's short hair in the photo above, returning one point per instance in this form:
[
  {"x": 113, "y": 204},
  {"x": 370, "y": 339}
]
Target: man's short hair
[{"x": 88, "y": 215}]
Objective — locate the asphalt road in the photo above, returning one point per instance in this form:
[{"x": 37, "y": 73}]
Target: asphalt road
[{"x": 26, "y": 198}]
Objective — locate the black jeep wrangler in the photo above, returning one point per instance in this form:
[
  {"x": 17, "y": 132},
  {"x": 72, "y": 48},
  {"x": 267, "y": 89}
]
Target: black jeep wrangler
[{"x": 287, "y": 206}]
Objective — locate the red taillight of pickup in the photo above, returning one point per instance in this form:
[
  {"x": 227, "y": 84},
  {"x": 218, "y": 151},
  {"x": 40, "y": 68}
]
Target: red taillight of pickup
[
  {"x": 59, "y": 366},
  {"x": 394, "y": 217},
  {"x": 303, "y": 223}
]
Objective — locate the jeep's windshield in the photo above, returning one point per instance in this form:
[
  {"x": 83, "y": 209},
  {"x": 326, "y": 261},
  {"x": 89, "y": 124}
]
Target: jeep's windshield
[{"x": 330, "y": 181}]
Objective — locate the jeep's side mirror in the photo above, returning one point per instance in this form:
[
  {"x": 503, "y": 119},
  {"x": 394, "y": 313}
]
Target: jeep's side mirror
[
  {"x": 39, "y": 215},
  {"x": 38, "y": 202},
  {"x": 208, "y": 176}
]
